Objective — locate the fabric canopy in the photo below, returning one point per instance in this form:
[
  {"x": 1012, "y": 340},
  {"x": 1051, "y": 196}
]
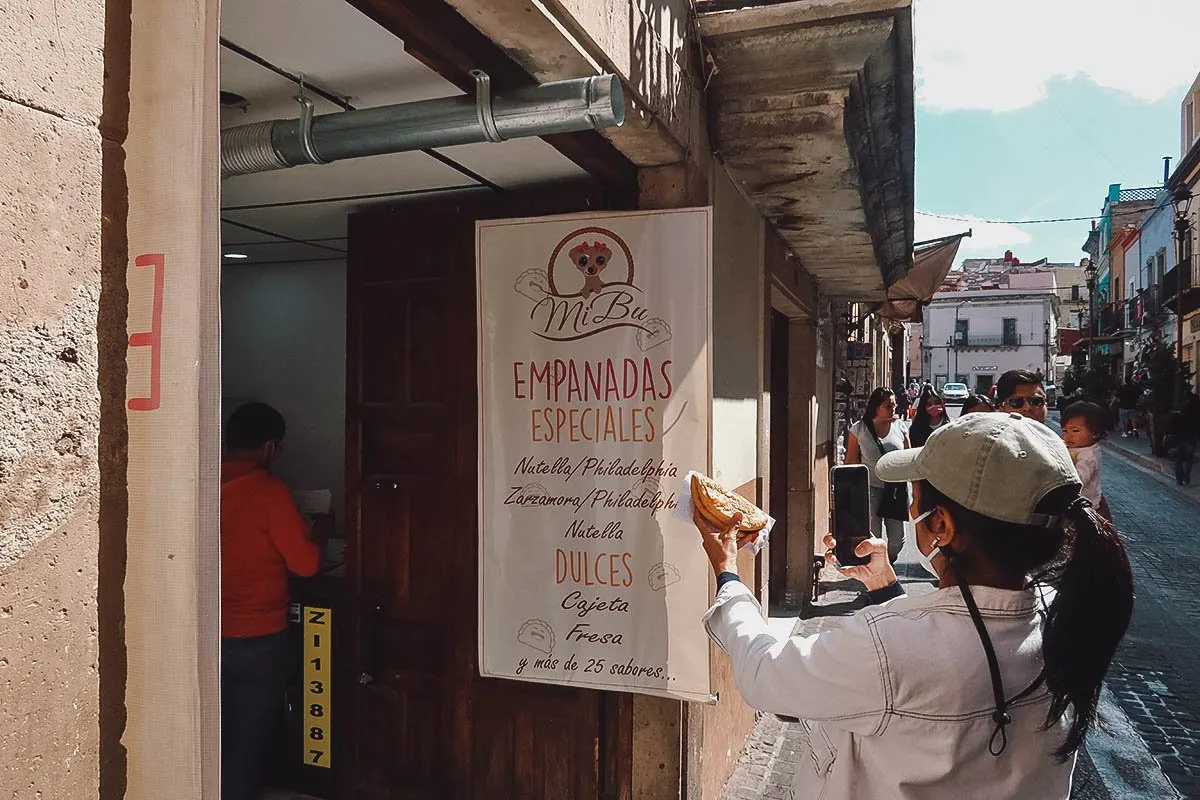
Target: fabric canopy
[{"x": 930, "y": 266}]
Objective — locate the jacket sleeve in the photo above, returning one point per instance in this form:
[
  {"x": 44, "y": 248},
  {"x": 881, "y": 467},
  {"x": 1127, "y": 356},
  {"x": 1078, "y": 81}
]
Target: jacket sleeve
[
  {"x": 289, "y": 533},
  {"x": 837, "y": 676}
]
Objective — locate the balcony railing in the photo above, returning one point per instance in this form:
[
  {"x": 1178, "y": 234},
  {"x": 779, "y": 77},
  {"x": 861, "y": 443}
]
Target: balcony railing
[
  {"x": 1145, "y": 310},
  {"x": 1113, "y": 318},
  {"x": 986, "y": 340},
  {"x": 1141, "y": 193},
  {"x": 1181, "y": 280}
]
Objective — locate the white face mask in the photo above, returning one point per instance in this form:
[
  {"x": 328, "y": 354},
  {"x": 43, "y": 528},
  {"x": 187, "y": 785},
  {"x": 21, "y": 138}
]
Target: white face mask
[{"x": 926, "y": 561}]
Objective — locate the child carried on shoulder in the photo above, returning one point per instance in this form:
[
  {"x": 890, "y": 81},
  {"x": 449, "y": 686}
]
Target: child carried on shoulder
[{"x": 1083, "y": 427}]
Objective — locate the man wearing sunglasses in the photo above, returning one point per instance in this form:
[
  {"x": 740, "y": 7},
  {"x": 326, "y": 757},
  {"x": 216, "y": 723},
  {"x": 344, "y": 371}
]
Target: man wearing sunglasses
[{"x": 1020, "y": 391}]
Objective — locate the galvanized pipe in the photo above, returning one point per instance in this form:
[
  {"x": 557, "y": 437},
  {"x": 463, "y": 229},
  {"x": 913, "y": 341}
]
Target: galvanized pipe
[{"x": 560, "y": 107}]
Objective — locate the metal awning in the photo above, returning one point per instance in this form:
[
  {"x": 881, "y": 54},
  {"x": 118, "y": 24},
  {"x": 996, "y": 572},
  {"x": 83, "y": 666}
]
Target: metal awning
[{"x": 812, "y": 114}]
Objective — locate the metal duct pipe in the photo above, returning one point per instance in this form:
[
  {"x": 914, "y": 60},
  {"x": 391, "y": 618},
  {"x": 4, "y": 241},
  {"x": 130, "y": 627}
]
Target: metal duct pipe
[{"x": 559, "y": 107}]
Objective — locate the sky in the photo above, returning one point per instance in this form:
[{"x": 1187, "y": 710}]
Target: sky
[{"x": 1031, "y": 113}]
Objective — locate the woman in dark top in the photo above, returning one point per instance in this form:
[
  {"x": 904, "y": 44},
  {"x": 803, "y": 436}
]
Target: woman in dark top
[{"x": 931, "y": 415}]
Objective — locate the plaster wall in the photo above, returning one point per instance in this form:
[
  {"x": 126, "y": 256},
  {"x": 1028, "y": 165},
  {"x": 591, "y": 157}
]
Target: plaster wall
[
  {"x": 738, "y": 374},
  {"x": 51, "y": 92},
  {"x": 1189, "y": 118},
  {"x": 1191, "y": 342},
  {"x": 1157, "y": 234},
  {"x": 915, "y": 363}
]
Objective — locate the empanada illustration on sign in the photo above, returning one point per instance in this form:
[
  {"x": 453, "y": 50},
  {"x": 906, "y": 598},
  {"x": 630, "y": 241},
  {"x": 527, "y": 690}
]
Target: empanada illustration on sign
[
  {"x": 646, "y": 485},
  {"x": 532, "y": 283},
  {"x": 662, "y": 575},
  {"x": 537, "y": 634},
  {"x": 653, "y": 333},
  {"x": 535, "y": 490}
]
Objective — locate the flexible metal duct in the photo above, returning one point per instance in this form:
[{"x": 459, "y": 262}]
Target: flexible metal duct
[{"x": 559, "y": 107}]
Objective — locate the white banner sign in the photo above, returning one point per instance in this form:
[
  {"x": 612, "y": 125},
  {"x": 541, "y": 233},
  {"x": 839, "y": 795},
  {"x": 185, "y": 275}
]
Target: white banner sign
[{"x": 594, "y": 403}]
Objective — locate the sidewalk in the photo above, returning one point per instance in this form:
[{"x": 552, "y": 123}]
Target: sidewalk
[{"x": 1137, "y": 450}]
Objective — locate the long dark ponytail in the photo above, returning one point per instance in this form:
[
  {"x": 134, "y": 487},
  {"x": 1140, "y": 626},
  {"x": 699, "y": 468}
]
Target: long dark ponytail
[{"x": 1083, "y": 559}]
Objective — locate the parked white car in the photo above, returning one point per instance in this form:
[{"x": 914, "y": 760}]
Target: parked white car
[{"x": 955, "y": 392}]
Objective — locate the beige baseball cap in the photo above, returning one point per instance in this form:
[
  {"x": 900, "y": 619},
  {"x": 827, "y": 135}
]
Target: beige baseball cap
[{"x": 998, "y": 465}]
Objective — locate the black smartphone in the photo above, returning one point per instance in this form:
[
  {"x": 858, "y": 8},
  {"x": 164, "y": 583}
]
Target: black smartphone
[{"x": 851, "y": 511}]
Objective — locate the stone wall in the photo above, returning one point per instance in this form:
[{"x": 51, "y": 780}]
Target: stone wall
[{"x": 51, "y": 86}]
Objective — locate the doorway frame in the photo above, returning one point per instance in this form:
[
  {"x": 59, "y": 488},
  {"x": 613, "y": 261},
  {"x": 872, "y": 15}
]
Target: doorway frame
[
  {"x": 433, "y": 33},
  {"x": 800, "y": 446},
  {"x": 615, "y": 729}
]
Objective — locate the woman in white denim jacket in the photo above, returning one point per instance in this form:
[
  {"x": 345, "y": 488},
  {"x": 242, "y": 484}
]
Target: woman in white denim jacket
[{"x": 982, "y": 689}]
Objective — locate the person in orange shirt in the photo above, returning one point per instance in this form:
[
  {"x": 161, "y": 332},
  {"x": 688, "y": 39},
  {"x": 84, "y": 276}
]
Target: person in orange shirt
[{"x": 263, "y": 538}]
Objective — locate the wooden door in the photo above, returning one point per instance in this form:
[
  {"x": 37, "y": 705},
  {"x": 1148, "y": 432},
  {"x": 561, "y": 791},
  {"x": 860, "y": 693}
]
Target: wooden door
[{"x": 423, "y": 723}]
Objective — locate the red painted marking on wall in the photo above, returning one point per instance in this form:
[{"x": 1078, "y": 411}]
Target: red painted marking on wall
[{"x": 153, "y": 337}]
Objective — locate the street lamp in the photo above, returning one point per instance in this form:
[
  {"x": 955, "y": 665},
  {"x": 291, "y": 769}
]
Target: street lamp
[
  {"x": 1183, "y": 258},
  {"x": 1089, "y": 275},
  {"x": 954, "y": 336},
  {"x": 1046, "y": 350}
]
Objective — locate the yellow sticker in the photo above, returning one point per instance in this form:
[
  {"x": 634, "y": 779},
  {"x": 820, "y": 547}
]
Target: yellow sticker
[{"x": 318, "y": 626}]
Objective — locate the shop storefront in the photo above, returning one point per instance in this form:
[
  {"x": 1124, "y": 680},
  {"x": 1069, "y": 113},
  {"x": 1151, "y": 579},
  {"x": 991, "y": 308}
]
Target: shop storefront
[{"x": 414, "y": 307}]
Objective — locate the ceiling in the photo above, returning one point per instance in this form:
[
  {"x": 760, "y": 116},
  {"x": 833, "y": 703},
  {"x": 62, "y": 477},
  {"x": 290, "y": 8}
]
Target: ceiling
[{"x": 299, "y": 214}]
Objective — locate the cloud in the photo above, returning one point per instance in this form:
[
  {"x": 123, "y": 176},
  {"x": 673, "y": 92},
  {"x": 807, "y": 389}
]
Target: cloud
[
  {"x": 988, "y": 239},
  {"x": 1001, "y": 55}
]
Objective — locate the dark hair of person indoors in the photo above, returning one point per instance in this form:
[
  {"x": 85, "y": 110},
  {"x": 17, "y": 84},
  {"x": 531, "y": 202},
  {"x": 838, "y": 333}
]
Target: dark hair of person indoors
[
  {"x": 253, "y": 425},
  {"x": 1084, "y": 561},
  {"x": 976, "y": 403},
  {"x": 1093, "y": 416},
  {"x": 1010, "y": 380}
]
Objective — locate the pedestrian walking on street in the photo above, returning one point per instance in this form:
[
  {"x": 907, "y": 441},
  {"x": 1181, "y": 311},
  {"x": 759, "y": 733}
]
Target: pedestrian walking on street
[
  {"x": 1113, "y": 404},
  {"x": 1128, "y": 399},
  {"x": 1020, "y": 391},
  {"x": 879, "y": 432},
  {"x": 1184, "y": 430},
  {"x": 897, "y": 700},
  {"x": 931, "y": 415},
  {"x": 902, "y": 405}
]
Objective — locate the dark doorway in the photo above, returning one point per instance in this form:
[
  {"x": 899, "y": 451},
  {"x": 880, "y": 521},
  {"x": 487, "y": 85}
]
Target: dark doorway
[
  {"x": 983, "y": 384},
  {"x": 422, "y": 722},
  {"x": 780, "y": 388}
]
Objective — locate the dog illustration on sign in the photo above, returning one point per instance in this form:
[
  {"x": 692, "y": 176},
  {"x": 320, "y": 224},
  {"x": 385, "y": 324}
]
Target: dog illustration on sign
[
  {"x": 591, "y": 258},
  {"x": 589, "y": 288},
  {"x": 597, "y": 255}
]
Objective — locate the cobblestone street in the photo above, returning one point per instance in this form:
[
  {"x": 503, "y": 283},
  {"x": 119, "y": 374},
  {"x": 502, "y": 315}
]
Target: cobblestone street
[
  {"x": 1156, "y": 675},
  {"x": 1154, "y": 680}
]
